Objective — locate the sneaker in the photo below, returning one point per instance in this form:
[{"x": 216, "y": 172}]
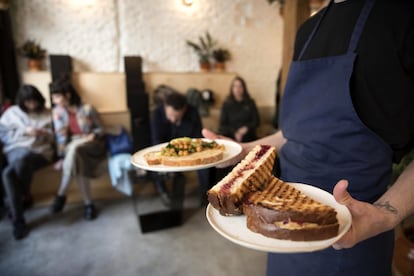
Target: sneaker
[
  {"x": 58, "y": 204},
  {"x": 20, "y": 230},
  {"x": 90, "y": 212}
]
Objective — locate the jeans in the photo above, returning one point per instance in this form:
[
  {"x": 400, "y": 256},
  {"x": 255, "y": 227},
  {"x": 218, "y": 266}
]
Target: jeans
[{"x": 17, "y": 177}]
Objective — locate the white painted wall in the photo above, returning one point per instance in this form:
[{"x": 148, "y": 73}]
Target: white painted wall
[{"x": 98, "y": 33}]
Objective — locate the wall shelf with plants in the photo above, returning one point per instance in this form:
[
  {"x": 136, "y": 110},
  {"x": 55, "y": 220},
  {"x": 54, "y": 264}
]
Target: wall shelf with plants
[
  {"x": 209, "y": 53},
  {"x": 34, "y": 53}
]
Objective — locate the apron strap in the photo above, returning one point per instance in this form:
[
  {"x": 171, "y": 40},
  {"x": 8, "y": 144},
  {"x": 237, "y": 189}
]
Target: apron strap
[
  {"x": 312, "y": 34},
  {"x": 359, "y": 26}
]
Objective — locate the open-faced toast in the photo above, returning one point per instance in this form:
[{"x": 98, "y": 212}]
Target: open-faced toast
[{"x": 186, "y": 152}]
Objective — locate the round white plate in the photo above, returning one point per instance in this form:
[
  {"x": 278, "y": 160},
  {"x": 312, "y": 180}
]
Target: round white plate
[
  {"x": 138, "y": 160},
  {"x": 234, "y": 228}
]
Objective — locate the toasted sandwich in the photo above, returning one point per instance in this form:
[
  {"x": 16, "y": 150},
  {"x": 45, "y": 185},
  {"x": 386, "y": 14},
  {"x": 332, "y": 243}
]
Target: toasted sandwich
[
  {"x": 283, "y": 212},
  {"x": 250, "y": 175}
]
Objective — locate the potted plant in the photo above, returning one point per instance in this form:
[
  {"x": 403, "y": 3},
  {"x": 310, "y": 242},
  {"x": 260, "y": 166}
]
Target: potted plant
[
  {"x": 34, "y": 54},
  {"x": 220, "y": 56},
  {"x": 203, "y": 49}
]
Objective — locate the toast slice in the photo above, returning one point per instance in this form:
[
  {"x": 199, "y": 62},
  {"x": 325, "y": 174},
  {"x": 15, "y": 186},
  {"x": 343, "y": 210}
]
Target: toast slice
[
  {"x": 283, "y": 212},
  {"x": 250, "y": 175},
  {"x": 185, "y": 151},
  {"x": 198, "y": 158},
  {"x": 153, "y": 158}
]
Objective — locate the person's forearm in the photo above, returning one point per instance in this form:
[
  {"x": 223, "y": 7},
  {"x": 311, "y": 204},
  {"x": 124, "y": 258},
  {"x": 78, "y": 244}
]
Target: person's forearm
[
  {"x": 399, "y": 198},
  {"x": 275, "y": 139}
]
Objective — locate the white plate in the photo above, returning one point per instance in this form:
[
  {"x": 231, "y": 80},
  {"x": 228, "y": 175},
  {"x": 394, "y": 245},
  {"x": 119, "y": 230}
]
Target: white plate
[
  {"x": 234, "y": 228},
  {"x": 138, "y": 160}
]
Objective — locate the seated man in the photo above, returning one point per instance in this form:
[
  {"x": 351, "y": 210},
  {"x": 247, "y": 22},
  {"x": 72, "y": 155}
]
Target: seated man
[{"x": 173, "y": 119}]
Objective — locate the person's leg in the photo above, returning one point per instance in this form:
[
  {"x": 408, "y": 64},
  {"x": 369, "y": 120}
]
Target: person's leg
[
  {"x": 60, "y": 199},
  {"x": 178, "y": 191},
  {"x": 68, "y": 167},
  {"x": 159, "y": 181},
  {"x": 24, "y": 168},
  {"x": 88, "y": 160},
  {"x": 206, "y": 179},
  {"x": 13, "y": 192},
  {"x": 84, "y": 186},
  {"x": 17, "y": 177},
  {"x": 3, "y": 164}
]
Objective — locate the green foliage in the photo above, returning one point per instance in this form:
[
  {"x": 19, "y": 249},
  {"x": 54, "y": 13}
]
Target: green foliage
[
  {"x": 281, "y": 2},
  {"x": 221, "y": 55},
  {"x": 31, "y": 49},
  {"x": 203, "y": 48},
  {"x": 397, "y": 169}
]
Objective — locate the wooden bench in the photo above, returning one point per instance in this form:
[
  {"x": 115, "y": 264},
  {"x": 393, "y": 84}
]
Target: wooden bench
[{"x": 107, "y": 93}]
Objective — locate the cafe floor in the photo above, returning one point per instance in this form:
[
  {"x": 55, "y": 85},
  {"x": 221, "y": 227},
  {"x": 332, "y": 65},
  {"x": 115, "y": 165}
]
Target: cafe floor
[{"x": 113, "y": 244}]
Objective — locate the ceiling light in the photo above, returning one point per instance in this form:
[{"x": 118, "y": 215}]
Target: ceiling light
[{"x": 187, "y": 2}]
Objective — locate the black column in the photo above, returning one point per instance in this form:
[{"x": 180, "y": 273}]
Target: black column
[
  {"x": 9, "y": 77},
  {"x": 60, "y": 65},
  {"x": 138, "y": 102}
]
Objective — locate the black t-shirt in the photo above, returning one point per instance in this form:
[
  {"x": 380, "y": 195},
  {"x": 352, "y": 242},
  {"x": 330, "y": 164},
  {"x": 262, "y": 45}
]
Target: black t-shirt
[{"x": 382, "y": 85}]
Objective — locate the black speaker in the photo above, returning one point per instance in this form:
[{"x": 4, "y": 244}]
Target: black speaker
[
  {"x": 133, "y": 73},
  {"x": 60, "y": 65},
  {"x": 138, "y": 102},
  {"x": 9, "y": 77},
  {"x": 140, "y": 123}
]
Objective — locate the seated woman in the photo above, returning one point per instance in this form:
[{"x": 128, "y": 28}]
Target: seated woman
[
  {"x": 239, "y": 117},
  {"x": 80, "y": 143},
  {"x": 27, "y": 137}
]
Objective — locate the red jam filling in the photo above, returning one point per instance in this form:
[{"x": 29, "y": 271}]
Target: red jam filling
[{"x": 227, "y": 187}]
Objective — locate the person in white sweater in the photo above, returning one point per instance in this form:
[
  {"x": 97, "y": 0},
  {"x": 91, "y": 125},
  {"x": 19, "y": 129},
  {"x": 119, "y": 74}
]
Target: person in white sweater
[{"x": 27, "y": 137}]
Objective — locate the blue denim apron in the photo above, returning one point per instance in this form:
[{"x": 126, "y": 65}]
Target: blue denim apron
[{"x": 326, "y": 142}]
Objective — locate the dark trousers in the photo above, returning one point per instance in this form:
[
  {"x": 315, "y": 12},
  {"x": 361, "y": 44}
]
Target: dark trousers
[
  {"x": 17, "y": 177},
  {"x": 206, "y": 178},
  {"x": 3, "y": 164}
]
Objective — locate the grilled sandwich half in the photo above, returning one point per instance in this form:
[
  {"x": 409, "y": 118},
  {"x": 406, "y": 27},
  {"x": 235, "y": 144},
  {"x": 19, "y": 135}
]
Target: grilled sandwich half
[
  {"x": 250, "y": 175},
  {"x": 283, "y": 212}
]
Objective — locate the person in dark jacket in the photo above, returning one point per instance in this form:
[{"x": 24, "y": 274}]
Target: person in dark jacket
[
  {"x": 239, "y": 117},
  {"x": 173, "y": 119}
]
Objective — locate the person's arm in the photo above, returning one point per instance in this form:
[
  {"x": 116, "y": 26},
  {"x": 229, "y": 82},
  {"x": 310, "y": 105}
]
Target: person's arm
[
  {"x": 197, "y": 125},
  {"x": 157, "y": 127},
  {"x": 388, "y": 211},
  {"x": 61, "y": 130},
  {"x": 255, "y": 118},
  {"x": 225, "y": 128},
  {"x": 97, "y": 126},
  {"x": 277, "y": 139},
  {"x": 12, "y": 127}
]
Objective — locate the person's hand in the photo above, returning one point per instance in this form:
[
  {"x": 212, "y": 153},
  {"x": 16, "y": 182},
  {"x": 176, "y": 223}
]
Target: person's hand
[
  {"x": 58, "y": 165},
  {"x": 31, "y": 131},
  {"x": 212, "y": 135},
  {"x": 240, "y": 133},
  {"x": 367, "y": 219},
  {"x": 90, "y": 137}
]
